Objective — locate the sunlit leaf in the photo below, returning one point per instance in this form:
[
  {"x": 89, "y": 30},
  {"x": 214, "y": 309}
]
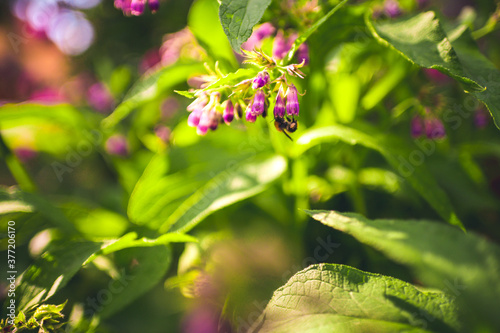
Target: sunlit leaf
[
  {"x": 242, "y": 181},
  {"x": 337, "y": 298},
  {"x": 465, "y": 266}
]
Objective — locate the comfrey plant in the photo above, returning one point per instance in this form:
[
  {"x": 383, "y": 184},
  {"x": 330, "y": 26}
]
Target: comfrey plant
[{"x": 218, "y": 101}]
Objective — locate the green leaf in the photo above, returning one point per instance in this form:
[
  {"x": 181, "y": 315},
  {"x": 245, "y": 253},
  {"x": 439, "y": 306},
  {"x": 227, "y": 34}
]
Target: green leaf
[
  {"x": 150, "y": 87},
  {"x": 203, "y": 21},
  {"x": 397, "y": 155},
  {"x": 463, "y": 265},
  {"x": 479, "y": 68},
  {"x": 238, "y": 18},
  {"x": 145, "y": 267},
  {"x": 12, "y": 115},
  {"x": 184, "y": 93},
  {"x": 337, "y": 298},
  {"x": 423, "y": 40},
  {"x": 232, "y": 78},
  {"x": 52, "y": 271},
  {"x": 240, "y": 182},
  {"x": 305, "y": 35}
]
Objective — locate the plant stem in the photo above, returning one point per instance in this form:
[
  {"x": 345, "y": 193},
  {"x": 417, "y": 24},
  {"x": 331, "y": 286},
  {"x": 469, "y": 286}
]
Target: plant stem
[{"x": 16, "y": 168}]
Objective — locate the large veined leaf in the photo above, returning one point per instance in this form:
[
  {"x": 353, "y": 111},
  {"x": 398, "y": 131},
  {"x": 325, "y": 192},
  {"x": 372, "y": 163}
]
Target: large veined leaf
[
  {"x": 423, "y": 40},
  {"x": 465, "y": 266},
  {"x": 230, "y": 186},
  {"x": 397, "y": 155},
  {"x": 144, "y": 268},
  {"x": 150, "y": 87},
  {"x": 238, "y": 18},
  {"x": 337, "y": 298},
  {"x": 62, "y": 261}
]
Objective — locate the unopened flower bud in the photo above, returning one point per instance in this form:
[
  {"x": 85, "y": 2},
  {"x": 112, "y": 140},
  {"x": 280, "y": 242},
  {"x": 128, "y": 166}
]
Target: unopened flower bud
[
  {"x": 228, "y": 113},
  {"x": 137, "y": 7},
  {"x": 261, "y": 80}
]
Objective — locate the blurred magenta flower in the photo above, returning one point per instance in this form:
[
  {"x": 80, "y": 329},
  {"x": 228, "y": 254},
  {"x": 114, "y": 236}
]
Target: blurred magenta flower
[
  {"x": 179, "y": 44},
  {"x": 150, "y": 60},
  {"x": 303, "y": 54},
  {"x": 163, "y": 132},
  {"x": 281, "y": 45},
  {"x": 47, "y": 96},
  {"x": 392, "y": 8},
  {"x": 481, "y": 118},
  {"x": 434, "y": 128},
  {"x": 202, "y": 319},
  {"x": 436, "y": 76},
  {"x": 117, "y": 145},
  {"x": 25, "y": 154},
  {"x": 259, "y": 33},
  {"x": 169, "y": 107},
  {"x": 99, "y": 97}
]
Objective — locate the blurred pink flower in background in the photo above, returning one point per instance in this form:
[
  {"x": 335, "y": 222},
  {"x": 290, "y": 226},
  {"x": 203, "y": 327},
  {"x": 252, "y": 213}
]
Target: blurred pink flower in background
[
  {"x": 99, "y": 97},
  {"x": 117, "y": 145}
]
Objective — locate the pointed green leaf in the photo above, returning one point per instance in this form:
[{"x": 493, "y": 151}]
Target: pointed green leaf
[
  {"x": 396, "y": 153},
  {"x": 465, "y": 266},
  {"x": 230, "y": 186},
  {"x": 425, "y": 41},
  {"x": 238, "y": 18},
  {"x": 336, "y": 298}
]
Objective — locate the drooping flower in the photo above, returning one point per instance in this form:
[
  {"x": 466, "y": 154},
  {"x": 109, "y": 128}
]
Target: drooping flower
[
  {"x": 154, "y": 5},
  {"x": 434, "y": 128},
  {"x": 261, "y": 80},
  {"x": 259, "y": 103},
  {"x": 228, "y": 114},
  {"x": 292, "y": 101},
  {"x": 249, "y": 115},
  {"x": 279, "y": 107},
  {"x": 137, "y": 7}
]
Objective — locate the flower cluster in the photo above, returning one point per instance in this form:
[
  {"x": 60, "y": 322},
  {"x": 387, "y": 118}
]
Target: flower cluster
[
  {"x": 136, "y": 7},
  {"x": 218, "y": 103}
]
